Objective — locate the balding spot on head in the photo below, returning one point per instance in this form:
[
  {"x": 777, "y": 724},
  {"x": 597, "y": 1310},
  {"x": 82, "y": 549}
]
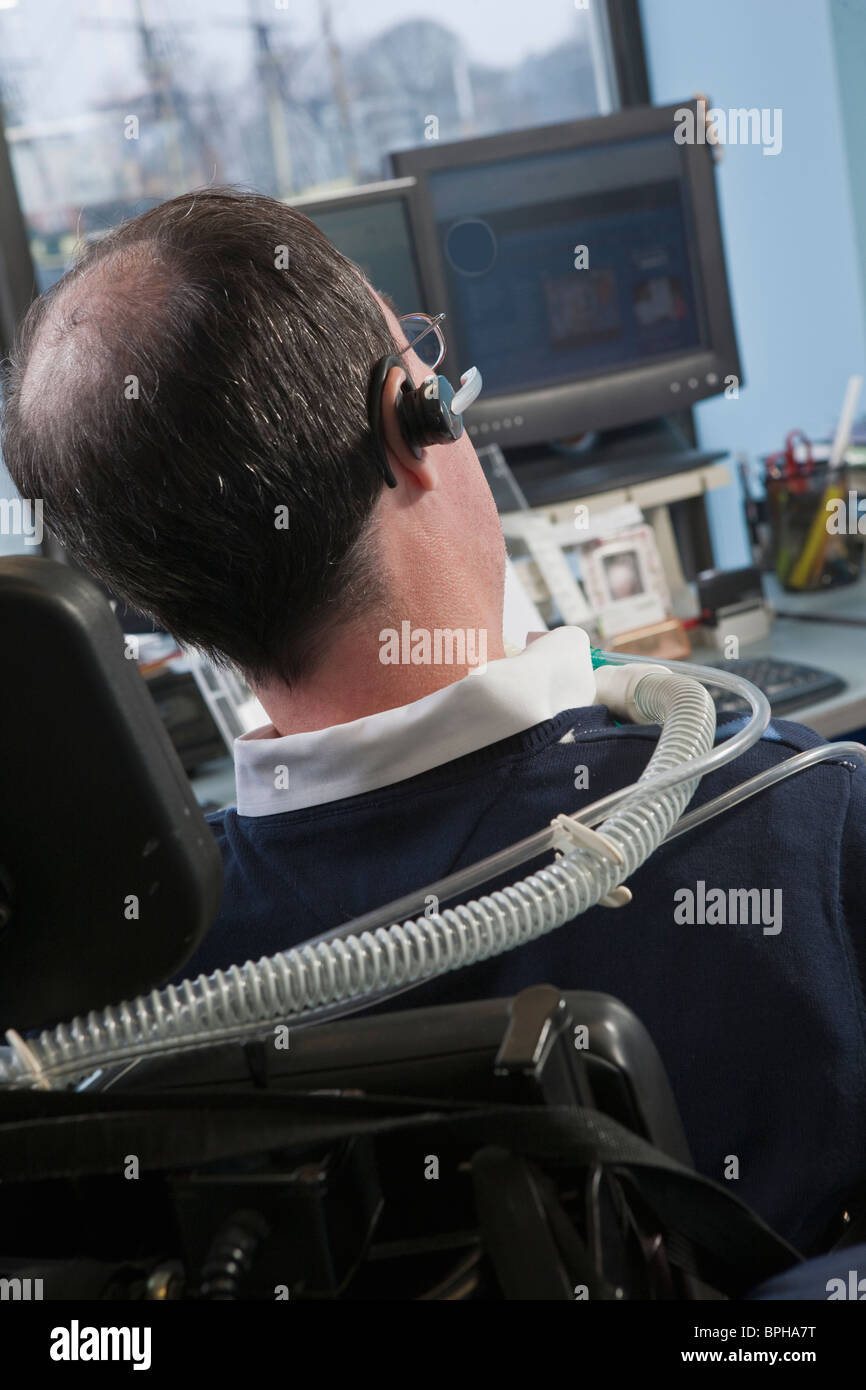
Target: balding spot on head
[{"x": 101, "y": 317}]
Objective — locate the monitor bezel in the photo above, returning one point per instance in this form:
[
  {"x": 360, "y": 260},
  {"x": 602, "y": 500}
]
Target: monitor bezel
[{"x": 614, "y": 398}]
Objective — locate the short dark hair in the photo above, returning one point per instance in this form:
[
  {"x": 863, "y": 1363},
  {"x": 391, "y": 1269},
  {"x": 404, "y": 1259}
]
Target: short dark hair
[{"x": 221, "y": 376}]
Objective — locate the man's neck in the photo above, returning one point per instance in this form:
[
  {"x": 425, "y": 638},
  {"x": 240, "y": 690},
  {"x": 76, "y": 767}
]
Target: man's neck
[{"x": 366, "y": 673}]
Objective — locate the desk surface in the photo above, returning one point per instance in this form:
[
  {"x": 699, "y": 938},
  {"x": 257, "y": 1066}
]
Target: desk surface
[{"x": 834, "y": 647}]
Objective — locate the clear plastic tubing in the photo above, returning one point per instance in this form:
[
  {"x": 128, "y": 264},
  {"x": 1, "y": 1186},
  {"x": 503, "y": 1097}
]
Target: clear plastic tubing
[
  {"x": 768, "y": 778},
  {"x": 357, "y": 965},
  {"x": 495, "y": 865}
]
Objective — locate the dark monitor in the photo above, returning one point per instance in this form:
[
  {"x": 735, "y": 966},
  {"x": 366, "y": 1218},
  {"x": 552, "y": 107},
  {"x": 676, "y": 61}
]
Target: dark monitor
[
  {"x": 635, "y": 326},
  {"x": 371, "y": 226}
]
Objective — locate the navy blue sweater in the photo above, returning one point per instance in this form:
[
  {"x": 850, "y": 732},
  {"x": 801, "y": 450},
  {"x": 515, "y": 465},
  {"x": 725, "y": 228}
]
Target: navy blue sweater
[{"x": 762, "y": 1034}]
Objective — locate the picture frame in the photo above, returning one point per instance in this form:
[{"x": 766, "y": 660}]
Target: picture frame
[{"x": 624, "y": 580}]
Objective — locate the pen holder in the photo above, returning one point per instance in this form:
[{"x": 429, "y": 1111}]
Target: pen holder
[{"x": 814, "y": 518}]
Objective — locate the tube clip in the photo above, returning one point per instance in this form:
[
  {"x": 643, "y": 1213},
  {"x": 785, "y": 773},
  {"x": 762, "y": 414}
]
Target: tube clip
[
  {"x": 573, "y": 834},
  {"x": 28, "y": 1060}
]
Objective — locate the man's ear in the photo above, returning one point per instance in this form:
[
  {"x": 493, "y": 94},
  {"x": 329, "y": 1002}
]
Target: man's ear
[{"x": 418, "y": 461}]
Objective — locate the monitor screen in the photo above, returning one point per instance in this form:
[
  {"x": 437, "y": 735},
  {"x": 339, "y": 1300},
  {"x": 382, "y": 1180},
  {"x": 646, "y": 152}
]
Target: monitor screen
[
  {"x": 581, "y": 267},
  {"x": 376, "y": 236},
  {"x": 566, "y": 265}
]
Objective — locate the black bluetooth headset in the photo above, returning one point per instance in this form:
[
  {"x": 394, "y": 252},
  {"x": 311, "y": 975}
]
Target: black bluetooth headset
[{"x": 431, "y": 413}]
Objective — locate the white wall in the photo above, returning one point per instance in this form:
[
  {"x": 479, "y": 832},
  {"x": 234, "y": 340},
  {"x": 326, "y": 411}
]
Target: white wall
[{"x": 792, "y": 249}]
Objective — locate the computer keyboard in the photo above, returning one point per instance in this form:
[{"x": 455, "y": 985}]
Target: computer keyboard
[{"x": 788, "y": 685}]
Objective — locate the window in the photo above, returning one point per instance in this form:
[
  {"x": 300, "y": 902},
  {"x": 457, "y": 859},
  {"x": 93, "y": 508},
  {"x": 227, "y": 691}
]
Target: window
[{"x": 112, "y": 106}]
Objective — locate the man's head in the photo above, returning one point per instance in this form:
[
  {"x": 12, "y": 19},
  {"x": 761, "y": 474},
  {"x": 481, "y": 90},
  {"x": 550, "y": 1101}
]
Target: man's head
[{"x": 190, "y": 404}]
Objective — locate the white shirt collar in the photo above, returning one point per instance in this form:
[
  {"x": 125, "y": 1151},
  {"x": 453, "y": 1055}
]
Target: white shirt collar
[{"x": 289, "y": 772}]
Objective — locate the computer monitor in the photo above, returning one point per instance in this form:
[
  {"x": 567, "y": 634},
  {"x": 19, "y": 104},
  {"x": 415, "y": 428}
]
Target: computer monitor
[
  {"x": 371, "y": 226},
  {"x": 581, "y": 268}
]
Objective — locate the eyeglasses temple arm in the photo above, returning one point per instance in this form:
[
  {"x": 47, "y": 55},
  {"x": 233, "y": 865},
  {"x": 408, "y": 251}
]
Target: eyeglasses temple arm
[{"x": 431, "y": 327}]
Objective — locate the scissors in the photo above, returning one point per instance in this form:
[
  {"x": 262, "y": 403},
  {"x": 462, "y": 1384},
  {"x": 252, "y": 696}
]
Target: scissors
[{"x": 784, "y": 463}]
